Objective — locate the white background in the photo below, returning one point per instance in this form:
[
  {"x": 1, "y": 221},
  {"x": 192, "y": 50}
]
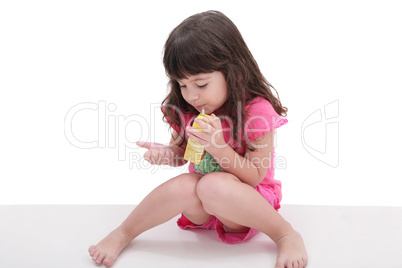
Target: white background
[{"x": 55, "y": 55}]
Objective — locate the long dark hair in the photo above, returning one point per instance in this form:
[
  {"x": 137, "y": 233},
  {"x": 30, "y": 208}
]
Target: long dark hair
[{"x": 208, "y": 42}]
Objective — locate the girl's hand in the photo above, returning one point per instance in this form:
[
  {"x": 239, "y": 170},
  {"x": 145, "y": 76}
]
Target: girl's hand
[
  {"x": 157, "y": 154},
  {"x": 211, "y": 135}
]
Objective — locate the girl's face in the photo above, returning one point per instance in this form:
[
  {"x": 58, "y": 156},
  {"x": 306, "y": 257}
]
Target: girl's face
[{"x": 205, "y": 90}]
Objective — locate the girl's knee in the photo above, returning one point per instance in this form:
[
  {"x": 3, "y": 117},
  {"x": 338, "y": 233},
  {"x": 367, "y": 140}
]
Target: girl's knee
[
  {"x": 214, "y": 186},
  {"x": 184, "y": 190},
  {"x": 184, "y": 186}
]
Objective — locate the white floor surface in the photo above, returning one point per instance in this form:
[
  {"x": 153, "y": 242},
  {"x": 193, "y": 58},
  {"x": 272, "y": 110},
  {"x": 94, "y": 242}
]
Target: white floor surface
[{"x": 59, "y": 236}]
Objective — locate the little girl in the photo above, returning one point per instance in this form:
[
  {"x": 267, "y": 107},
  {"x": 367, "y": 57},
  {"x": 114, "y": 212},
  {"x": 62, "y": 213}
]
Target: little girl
[{"x": 211, "y": 70}]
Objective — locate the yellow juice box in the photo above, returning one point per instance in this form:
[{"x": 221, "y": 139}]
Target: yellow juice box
[{"x": 194, "y": 151}]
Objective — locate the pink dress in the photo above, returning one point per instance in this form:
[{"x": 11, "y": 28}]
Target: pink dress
[{"x": 260, "y": 119}]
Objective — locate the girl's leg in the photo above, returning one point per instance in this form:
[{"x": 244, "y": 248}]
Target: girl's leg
[
  {"x": 238, "y": 205},
  {"x": 171, "y": 198}
]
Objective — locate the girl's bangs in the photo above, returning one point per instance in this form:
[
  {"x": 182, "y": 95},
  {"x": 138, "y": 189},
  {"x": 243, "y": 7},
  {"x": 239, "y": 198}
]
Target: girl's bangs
[{"x": 184, "y": 60}]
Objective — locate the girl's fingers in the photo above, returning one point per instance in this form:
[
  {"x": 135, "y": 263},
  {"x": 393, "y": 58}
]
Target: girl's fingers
[
  {"x": 146, "y": 145},
  {"x": 197, "y": 139},
  {"x": 203, "y": 134},
  {"x": 215, "y": 122},
  {"x": 202, "y": 123},
  {"x": 154, "y": 154},
  {"x": 147, "y": 156},
  {"x": 162, "y": 157},
  {"x": 149, "y": 145},
  {"x": 194, "y": 131},
  {"x": 158, "y": 156}
]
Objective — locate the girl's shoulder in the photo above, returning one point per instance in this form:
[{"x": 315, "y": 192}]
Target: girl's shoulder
[
  {"x": 261, "y": 117},
  {"x": 258, "y": 106}
]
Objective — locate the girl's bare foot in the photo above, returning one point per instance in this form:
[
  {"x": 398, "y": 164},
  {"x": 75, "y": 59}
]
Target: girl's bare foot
[
  {"x": 110, "y": 247},
  {"x": 291, "y": 251}
]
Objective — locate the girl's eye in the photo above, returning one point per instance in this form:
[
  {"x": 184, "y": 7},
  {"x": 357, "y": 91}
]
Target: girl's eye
[
  {"x": 182, "y": 86},
  {"x": 201, "y": 86}
]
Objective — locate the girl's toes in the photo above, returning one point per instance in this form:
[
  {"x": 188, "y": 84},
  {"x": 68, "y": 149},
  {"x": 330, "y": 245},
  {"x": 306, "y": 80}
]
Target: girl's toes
[
  {"x": 108, "y": 262},
  {"x": 305, "y": 261},
  {"x": 279, "y": 264},
  {"x": 91, "y": 250},
  {"x": 95, "y": 255},
  {"x": 100, "y": 258}
]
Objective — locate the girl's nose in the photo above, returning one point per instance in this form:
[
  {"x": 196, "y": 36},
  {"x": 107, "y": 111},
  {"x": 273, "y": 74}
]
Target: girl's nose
[{"x": 194, "y": 96}]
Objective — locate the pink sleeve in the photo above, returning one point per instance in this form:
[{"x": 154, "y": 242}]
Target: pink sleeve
[{"x": 261, "y": 118}]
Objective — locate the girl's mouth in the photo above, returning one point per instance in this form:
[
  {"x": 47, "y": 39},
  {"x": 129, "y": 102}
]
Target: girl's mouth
[{"x": 199, "y": 108}]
